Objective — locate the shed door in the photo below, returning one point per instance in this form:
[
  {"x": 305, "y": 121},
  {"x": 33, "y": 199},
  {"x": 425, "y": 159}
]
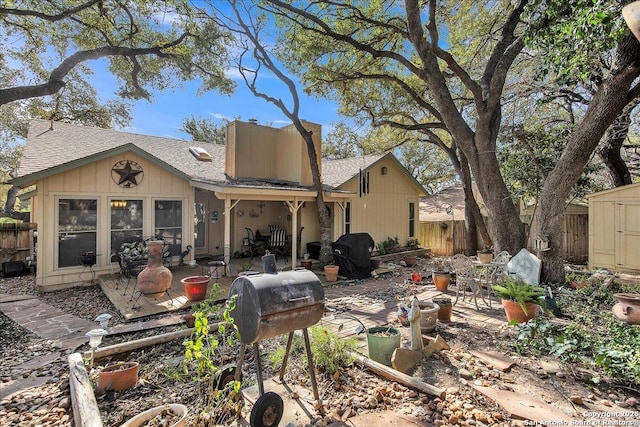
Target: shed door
[{"x": 628, "y": 236}]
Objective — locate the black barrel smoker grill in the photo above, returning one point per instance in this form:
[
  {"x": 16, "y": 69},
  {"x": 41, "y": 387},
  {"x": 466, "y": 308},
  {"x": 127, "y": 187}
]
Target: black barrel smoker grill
[{"x": 270, "y": 304}]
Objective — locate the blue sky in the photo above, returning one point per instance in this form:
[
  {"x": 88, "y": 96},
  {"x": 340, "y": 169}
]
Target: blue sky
[{"x": 163, "y": 115}]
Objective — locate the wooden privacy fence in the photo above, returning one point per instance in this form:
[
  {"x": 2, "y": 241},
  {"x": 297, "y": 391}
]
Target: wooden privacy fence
[
  {"x": 446, "y": 238},
  {"x": 16, "y": 241}
]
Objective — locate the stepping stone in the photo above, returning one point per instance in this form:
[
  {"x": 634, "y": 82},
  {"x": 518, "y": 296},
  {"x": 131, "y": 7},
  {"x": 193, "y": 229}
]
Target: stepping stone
[
  {"x": 524, "y": 407},
  {"x": 497, "y": 360},
  {"x": 37, "y": 362},
  {"x": 10, "y": 388},
  {"x": 11, "y": 298}
]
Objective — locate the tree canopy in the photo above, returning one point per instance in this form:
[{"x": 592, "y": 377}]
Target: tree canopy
[
  {"x": 150, "y": 45},
  {"x": 439, "y": 66}
]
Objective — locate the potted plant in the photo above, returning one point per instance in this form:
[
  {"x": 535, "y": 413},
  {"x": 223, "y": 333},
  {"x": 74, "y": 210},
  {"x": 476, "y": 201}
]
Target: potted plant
[
  {"x": 170, "y": 415},
  {"x": 441, "y": 275},
  {"x": 485, "y": 255},
  {"x": 520, "y": 299},
  {"x": 117, "y": 376},
  {"x": 381, "y": 343}
]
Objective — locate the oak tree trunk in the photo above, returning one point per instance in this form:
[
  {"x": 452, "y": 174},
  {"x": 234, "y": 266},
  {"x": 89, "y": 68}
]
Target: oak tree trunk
[{"x": 608, "y": 103}]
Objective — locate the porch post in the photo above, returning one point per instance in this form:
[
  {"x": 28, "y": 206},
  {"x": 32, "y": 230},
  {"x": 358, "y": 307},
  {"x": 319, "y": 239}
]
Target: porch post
[
  {"x": 294, "y": 206},
  {"x": 227, "y": 233}
]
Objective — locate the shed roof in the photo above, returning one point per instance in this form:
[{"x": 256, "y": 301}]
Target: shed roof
[{"x": 631, "y": 190}]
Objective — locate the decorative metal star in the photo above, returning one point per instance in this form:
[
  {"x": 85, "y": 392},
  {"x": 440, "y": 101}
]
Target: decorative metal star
[{"x": 127, "y": 175}]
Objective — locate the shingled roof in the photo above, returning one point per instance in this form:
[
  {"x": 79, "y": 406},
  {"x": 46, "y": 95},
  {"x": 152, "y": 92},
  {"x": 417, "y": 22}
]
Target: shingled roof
[
  {"x": 337, "y": 172},
  {"x": 54, "y": 146}
]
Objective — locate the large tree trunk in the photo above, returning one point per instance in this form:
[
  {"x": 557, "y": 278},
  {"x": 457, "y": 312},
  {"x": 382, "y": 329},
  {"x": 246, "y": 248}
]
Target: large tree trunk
[
  {"x": 473, "y": 217},
  {"x": 507, "y": 230},
  {"x": 474, "y": 222},
  {"x": 607, "y": 104},
  {"x": 610, "y": 153},
  {"x": 10, "y": 204},
  {"x": 326, "y": 252}
]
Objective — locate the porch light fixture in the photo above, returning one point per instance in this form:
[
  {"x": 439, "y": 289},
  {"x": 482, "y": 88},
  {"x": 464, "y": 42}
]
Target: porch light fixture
[
  {"x": 119, "y": 204},
  {"x": 95, "y": 338}
]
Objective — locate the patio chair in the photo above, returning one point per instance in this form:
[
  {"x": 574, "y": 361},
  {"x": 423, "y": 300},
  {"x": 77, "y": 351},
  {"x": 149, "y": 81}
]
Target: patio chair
[
  {"x": 466, "y": 278},
  {"x": 278, "y": 242},
  {"x": 132, "y": 259},
  {"x": 250, "y": 246}
]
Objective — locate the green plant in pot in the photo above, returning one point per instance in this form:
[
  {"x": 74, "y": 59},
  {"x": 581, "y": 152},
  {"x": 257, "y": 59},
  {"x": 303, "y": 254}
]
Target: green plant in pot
[{"x": 520, "y": 299}]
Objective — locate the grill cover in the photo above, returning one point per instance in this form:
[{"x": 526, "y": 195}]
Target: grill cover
[
  {"x": 352, "y": 253},
  {"x": 272, "y": 304}
]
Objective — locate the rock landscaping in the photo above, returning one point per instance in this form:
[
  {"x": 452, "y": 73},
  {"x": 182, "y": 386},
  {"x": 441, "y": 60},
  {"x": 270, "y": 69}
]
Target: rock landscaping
[{"x": 478, "y": 359}]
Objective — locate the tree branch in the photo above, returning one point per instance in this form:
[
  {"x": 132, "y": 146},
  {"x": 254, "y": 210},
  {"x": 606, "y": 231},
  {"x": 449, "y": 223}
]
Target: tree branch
[{"x": 57, "y": 76}]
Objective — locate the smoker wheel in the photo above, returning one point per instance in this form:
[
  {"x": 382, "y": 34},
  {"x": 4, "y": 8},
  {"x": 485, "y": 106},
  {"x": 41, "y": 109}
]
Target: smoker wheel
[{"x": 267, "y": 411}]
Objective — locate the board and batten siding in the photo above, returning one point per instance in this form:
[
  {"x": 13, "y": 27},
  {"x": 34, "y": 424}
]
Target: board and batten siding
[
  {"x": 384, "y": 212},
  {"x": 94, "y": 181},
  {"x": 614, "y": 229}
]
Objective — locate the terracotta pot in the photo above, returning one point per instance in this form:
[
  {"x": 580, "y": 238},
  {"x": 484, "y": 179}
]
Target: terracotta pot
[
  {"x": 410, "y": 260},
  {"x": 444, "y": 314},
  {"x": 331, "y": 272},
  {"x": 306, "y": 264},
  {"x": 514, "y": 311},
  {"x": 416, "y": 277},
  {"x": 628, "y": 308},
  {"x": 116, "y": 377},
  {"x": 485, "y": 257},
  {"x": 195, "y": 287},
  {"x": 155, "y": 279},
  {"x": 142, "y": 418},
  {"x": 441, "y": 280}
]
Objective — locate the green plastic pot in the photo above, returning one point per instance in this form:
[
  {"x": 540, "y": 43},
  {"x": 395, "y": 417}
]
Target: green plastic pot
[{"x": 381, "y": 342}]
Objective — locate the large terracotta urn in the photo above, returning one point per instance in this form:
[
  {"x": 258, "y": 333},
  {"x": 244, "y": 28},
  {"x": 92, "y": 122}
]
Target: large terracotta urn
[
  {"x": 628, "y": 308},
  {"x": 155, "y": 279}
]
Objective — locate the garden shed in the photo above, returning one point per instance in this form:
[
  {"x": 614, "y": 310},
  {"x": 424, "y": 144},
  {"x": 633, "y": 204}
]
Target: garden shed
[{"x": 614, "y": 229}]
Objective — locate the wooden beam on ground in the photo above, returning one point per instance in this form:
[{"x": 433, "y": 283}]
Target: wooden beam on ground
[
  {"x": 83, "y": 401},
  {"x": 399, "y": 377},
  {"x": 142, "y": 343}
]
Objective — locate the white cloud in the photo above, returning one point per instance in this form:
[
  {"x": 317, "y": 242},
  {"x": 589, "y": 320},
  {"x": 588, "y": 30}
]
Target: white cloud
[{"x": 220, "y": 116}]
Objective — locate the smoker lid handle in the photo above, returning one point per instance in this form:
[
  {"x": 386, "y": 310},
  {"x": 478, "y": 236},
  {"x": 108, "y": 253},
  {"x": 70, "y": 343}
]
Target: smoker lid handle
[{"x": 299, "y": 299}]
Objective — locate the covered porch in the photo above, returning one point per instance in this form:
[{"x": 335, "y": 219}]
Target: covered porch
[{"x": 230, "y": 221}]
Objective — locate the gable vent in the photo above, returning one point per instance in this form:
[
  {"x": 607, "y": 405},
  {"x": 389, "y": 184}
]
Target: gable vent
[{"x": 200, "y": 154}]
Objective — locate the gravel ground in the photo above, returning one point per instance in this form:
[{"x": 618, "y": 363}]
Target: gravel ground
[{"x": 353, "y": 391}]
